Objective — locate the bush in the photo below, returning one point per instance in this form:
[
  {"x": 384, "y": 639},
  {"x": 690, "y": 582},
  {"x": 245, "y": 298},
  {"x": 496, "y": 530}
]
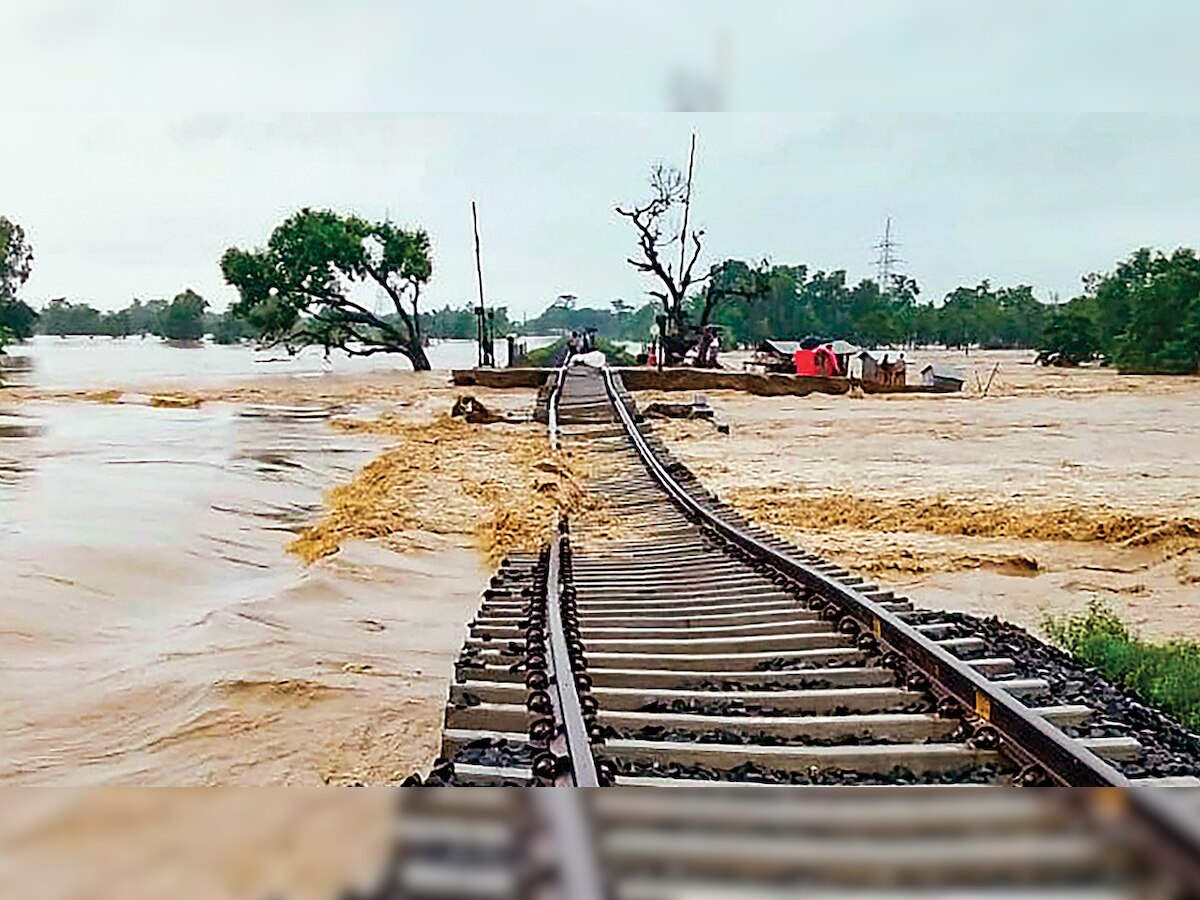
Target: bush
[
  {"x": 544, "y": 357},
  {"x": 1166, "y": 676}
]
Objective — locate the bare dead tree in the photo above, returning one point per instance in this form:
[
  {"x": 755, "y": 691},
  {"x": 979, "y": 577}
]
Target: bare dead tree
[{"x": 669, "y": 193}]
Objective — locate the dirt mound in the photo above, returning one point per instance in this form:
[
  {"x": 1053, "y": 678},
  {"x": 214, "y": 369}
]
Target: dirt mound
[{"x": 938, "y": 515}]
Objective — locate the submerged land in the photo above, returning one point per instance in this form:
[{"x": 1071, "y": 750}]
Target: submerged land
[{"x": 1057, "y": 487}]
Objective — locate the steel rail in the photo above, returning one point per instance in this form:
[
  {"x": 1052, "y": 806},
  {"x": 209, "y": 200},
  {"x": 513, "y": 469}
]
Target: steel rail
[
  {"x": 572, "y": 742},
  {"x": 552, "y": 406},
  {"x": 576, "y": 859},
  {"x": 1029, "y": 737}
]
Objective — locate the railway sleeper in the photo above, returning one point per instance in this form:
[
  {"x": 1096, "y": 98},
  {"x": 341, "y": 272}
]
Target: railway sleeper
[
  {"x": 989, "y": 860},
  {"x": 877, "y": 759},
  {"x": 816, "y": 701},
  {"x": 635, "y": 628}
]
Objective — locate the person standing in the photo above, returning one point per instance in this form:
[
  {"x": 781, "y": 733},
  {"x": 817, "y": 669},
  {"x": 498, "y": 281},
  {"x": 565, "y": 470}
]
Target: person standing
[{"x": 714, "y": 348}]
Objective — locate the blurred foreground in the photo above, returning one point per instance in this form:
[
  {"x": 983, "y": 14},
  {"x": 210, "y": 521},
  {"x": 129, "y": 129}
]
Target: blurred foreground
[{"x": 633, "y": 842}]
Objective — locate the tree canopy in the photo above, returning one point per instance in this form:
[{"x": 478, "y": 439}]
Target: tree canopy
[
  {"x": 1144, "y": 315},
  {"x": 1071, "y": 337},
  {"x": 757, "y": 301},
  {"x": 298, "y": 289},
  {"x": 185, "y": 318}
]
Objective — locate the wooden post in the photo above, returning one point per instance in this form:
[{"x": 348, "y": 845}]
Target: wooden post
[
  {"x": 486, "y": 357},
  {"x": 687, "y": 206}
]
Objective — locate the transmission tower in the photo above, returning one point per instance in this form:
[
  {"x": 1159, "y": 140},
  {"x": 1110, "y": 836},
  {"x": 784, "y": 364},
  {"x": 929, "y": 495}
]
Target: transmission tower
[{"x": 887, "y": 260}]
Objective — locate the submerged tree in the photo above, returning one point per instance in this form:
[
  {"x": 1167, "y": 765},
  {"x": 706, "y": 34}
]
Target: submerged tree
[
  {"x": 16, "y": 264},
  {"x": 660, "y": 238},
  {"x": 183, "y": 320},
  {"x": 297, "y": 291},
  {"x": 1071, "y": 337}
]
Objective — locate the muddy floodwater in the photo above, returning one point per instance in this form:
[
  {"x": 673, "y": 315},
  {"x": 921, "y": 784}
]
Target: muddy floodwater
[
  {"x": 153, "y": 627},
  {"x": 1032, "y": 493},
  {"x": 156, "y": 630}
]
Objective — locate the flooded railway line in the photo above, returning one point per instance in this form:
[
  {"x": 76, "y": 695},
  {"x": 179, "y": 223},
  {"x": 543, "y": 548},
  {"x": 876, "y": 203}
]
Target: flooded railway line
[{"x": 699, "y": 651}]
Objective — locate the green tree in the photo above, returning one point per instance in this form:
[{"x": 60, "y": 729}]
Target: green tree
[
  {"x": 731, "y": 281},
  {"x": 146, "y": 318},
  {"x": 1006, "y": 317},
  {"x": 116, "y": 324},
  {"x": 1160, "y": 295},
  {"x": 228, "y": 328},
  {"x": 17, "y": 318},
  {"x": 296, "y": 290},
  {"x": 16, "y": 264},
  {"x": 183, "y": 320}
]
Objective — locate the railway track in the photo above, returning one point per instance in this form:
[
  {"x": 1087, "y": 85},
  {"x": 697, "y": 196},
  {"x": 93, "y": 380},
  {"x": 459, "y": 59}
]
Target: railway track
[{"x": 696, "y": 654}]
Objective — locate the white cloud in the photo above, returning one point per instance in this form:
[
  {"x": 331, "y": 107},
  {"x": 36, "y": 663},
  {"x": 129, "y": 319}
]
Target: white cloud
[
  {"x": 144, "y": 204},
  {"x": 168, "y": 131}
]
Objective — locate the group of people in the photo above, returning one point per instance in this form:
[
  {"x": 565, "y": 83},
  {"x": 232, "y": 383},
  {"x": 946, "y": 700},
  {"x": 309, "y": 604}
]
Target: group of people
[
  {"x": 581, "y": 342},
  {"x": 893, "y": 372}
]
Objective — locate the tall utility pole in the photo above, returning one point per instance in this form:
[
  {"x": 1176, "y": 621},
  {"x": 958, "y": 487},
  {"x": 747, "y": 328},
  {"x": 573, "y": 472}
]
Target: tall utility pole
[
  {"x": 483, "y": 330},
  {"x": 885, "y": 262},
  {"x": 687, "y": 206}
]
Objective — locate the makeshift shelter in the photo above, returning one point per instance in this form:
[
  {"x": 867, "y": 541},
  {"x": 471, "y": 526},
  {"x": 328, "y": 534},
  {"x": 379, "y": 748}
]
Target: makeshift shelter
[
  {"x": 820, "y": 361},
  {"x": 865, "y": 367}
]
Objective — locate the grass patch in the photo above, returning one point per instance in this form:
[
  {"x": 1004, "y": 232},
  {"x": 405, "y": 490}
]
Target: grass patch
[{"x": 1166, "y": 676}]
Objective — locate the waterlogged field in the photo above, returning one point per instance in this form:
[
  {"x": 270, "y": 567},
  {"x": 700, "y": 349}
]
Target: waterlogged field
[{"x": 1056, "y": 488}]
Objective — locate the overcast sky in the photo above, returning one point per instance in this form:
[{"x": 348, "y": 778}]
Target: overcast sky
[{"x": 140, "y": 139}]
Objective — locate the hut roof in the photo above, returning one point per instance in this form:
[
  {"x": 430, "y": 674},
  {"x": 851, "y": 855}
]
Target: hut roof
[
  {"x": 787, "y": 348},
  {"x": 843, "y": 348},
  {"x": 783, "y": 348},
  {"x": 943, "y": 372}
]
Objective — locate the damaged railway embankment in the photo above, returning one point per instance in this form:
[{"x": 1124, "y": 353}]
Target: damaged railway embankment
[
  {"x": 646, "y": 378},
  {"x": 499, "y": 483}
]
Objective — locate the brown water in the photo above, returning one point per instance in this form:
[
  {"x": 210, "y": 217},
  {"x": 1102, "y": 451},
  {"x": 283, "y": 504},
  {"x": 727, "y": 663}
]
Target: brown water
[{"x": 153, "y": 628}]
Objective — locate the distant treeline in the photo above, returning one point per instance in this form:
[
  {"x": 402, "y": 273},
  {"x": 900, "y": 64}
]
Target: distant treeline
[
  {"x": 1144, "y": 316},
  {"x": 752, "y": 303},
  {"x": 187, "y": 317}
]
